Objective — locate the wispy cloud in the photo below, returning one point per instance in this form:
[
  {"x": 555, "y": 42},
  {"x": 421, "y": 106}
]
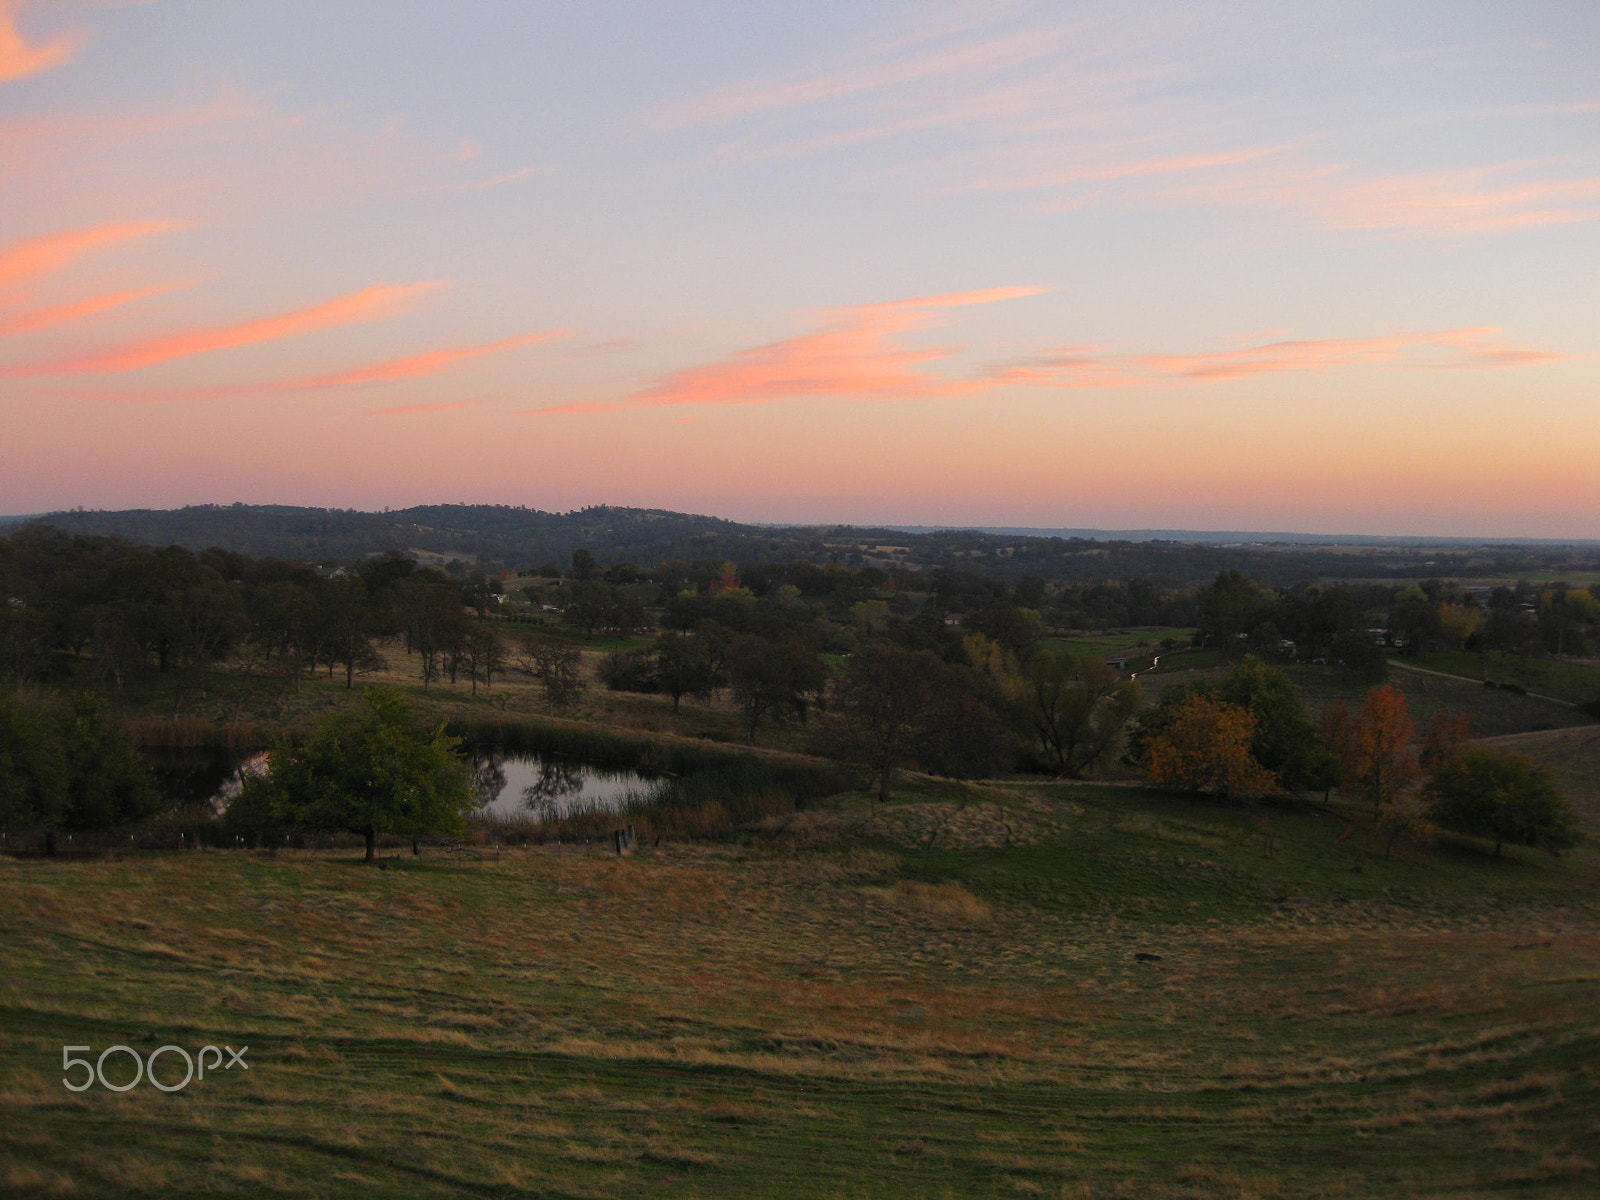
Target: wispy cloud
[
  {"x": 18, "y": 58},
  {"x": 62, "y": 314},
  {"x": 1117, "y": 115},
  {"x": 875, "y": 72},
  {"x": 53, "y": 251},
  {"x": 1345, "y": 196},
  {"x": 1089, "y": 367},
  {"x": 496, "y": 180},
  {"x": 233, "y": 153},
  {"x": 856, "y": 356},
  {"x": 416, "y": 366},
  {"x": 369, "y": 304}
]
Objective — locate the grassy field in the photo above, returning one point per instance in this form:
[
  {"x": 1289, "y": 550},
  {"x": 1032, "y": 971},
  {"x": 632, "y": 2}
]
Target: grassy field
[
  {"x": 1105, "y": 642},
  {"x": 1491, "y": 712},
  {"x": 1046, "y": 990},
  {"x": 1574, "y": 682}
]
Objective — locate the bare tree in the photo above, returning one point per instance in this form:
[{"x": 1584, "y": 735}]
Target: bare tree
[{"x": 558, "y": 666}]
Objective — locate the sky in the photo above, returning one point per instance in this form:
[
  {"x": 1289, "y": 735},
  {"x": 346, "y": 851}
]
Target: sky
[{"x": 1324, "y": 268}]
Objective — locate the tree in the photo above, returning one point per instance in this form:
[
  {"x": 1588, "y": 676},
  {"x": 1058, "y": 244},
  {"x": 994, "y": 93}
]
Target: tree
[
  {"x": 1447, "y": 736},
  {"x": 434, "y": 620},
  {"x": 684, "y": 666},
  {"x": 1231, "y": 607},
  {"x": 1564, "y": 613},
  {"x": 558, "y": 666},
  {"x": 590, "y": 605},
  {"x": 1359, "y": 653},
  {"x": 33, "y": 776},
  {"x": 108, "y": 784},
  {"x": 770, "y": 679},
  {"x": 284, "y": 621},
  {"x": 65, "y": 765},
  {"x": 1338, "y": 729},
  {"x": 1285, "y": 740},
  {"x": 345, "y": 617},
  {"x": 1204, "y": 746},
  {"x": 370, "y": 769},
  {"x": 206, "y": 614},
  {"x": 1076, "y": 707},
  {"x": 1503, "y": 798},
  {"x": 1406, "y": 816},
  {"x": 1415, "y": 620},
  {"x": 483, "y": 655},
  {"x": 963, "y": 737},
  {"x": 629, "y": 671},
  {"x": 1383, "y": 767},
  {"x": 885, "y": 698}
]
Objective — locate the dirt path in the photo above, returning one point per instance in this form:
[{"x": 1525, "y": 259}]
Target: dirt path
[{"x": 1394, "y": 662}]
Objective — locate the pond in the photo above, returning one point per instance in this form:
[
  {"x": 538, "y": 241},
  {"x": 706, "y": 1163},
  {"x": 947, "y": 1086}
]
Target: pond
[
  {"x": 550, "y": 787},
  {"x": 510, "y": 785}
]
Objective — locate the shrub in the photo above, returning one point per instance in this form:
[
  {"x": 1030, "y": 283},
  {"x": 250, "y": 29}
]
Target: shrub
[{"x": 1502, "y": 798}]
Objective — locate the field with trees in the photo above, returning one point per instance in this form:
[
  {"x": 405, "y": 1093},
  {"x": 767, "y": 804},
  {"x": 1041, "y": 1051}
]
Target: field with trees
[{"x": 954, "y": 882}]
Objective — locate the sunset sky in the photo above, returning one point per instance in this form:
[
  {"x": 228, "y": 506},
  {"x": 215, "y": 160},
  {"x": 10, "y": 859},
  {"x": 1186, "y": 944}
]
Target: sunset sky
[{"x": 1278, "y": 266}]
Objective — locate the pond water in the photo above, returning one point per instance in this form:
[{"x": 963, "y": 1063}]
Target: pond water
[
  {"x": 510, "y": 785},
  {"x": 526, "y": 785}
]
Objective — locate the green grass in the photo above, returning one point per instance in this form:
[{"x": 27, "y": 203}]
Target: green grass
[
  {"x": 1490, "y": 712},
  {"x": 1576, "y": 683},
  {"x": 1099, "y": 645},
  {"x": 935, "y": 997}
]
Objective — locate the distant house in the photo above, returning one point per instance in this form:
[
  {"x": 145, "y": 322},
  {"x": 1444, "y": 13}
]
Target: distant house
[{"x": 331, "y": 572}]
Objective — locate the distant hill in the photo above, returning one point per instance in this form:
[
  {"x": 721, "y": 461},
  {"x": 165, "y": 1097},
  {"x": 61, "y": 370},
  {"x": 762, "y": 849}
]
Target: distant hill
[
  {"x": 1245, "y": 537},
  {"x": 497, "y": 537}
]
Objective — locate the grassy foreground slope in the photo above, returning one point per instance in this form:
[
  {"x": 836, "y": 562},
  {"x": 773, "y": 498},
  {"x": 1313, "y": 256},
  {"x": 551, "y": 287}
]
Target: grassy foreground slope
[{"x": 942, "y": 997}]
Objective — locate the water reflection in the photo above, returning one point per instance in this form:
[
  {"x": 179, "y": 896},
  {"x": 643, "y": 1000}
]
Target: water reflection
[
  {"x": 488, "y": 777},
  {"x": 506, "y": 785},
  {"x": 547, "y": 789}
]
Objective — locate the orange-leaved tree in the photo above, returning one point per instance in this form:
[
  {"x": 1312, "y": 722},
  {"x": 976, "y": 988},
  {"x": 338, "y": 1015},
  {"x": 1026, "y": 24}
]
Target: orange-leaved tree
[
  {"x": 1205, "y": 747},
  {"x": 1447, "y": 736},
  {"x": 1385, "y": 767}
]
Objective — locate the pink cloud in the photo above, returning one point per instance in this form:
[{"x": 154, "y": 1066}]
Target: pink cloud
[
  {"x": 1086, "y": 367},
  {"x": 18, "y": 59},
  {"x": 855, "y": 356},
  {"x": 52, "y": 251},
  {"x": 413, "y": 367},
  {"x": 369, "y": 304},
  {"x": 61, "y": 314},
  {"x": 417, "y": 365},
  {"x": 1340, "y": 196}
]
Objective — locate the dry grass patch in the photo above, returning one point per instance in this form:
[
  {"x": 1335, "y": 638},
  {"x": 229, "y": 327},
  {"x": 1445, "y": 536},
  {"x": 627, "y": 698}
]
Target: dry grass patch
[
  {"x": 947, "y": 904},
  {"x": 976, "y": 825}
]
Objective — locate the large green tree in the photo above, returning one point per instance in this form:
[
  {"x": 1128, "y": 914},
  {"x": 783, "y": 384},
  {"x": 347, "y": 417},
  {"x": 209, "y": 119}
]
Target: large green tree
[
  {"x": 1285, "y": 740},
  {"x": 371, "y": 769},
  {"x": 1075, "y": 707},
  {"x": 1504, "y": 798},
  {"x": 33, "y": 776},
  {"x": 65, "y": 765}
]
